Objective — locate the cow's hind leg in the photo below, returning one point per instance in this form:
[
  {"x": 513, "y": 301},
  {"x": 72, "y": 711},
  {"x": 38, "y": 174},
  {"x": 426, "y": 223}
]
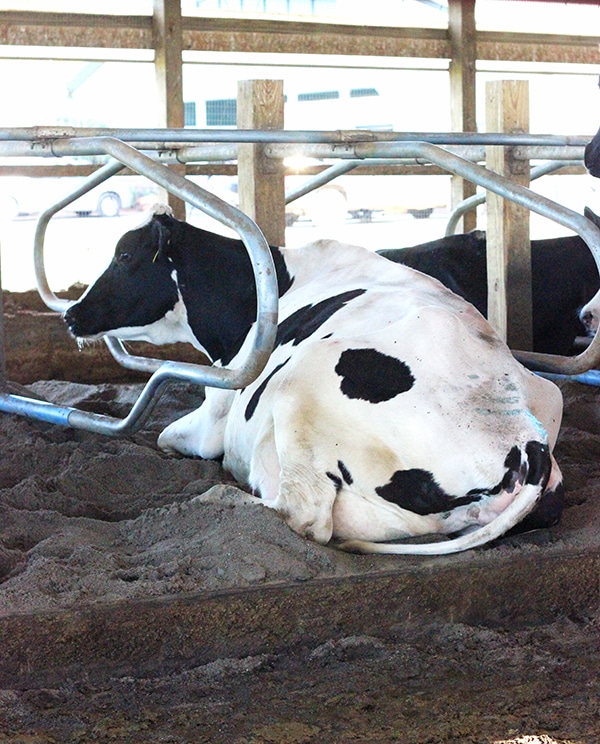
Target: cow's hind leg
[
  {"x": 307, "y": 490},
  {"x": 548, "y": 510}
]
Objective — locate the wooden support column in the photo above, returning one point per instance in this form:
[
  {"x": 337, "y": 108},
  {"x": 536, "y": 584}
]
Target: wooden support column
[
  {"x": 261, "y": 179},
  {"x": 168, "y": 40},
  {"x": 461, "y": 29},
  {"x": 2, "y": 337},
  {"x": 508, "y": 242}
]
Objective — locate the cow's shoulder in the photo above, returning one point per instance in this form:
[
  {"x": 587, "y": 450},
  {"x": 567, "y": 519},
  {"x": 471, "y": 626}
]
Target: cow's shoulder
[{"x": 326, "y": 265}]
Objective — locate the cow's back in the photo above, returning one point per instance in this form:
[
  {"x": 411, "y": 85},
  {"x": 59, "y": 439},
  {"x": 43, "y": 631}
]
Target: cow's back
[{"x": 405, "y": 376}]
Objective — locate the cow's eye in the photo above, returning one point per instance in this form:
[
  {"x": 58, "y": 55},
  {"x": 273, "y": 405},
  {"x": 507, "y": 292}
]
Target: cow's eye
[{"x": 124, "y": 257}]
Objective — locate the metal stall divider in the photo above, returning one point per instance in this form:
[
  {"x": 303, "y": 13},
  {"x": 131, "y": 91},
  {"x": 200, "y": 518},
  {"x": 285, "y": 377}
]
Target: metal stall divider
[
  {"x": 472, "y": 202},
  {"x": 426, "y": 152},
  {"x": 352, "y": 146},
  {"x": 266, "y": 287}
]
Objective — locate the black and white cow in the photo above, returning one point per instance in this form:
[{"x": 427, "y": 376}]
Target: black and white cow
[
  {"x": 388, "y": 409},
  {"x": 592, "y": 155},
  {"x": 564, "y": 278}
]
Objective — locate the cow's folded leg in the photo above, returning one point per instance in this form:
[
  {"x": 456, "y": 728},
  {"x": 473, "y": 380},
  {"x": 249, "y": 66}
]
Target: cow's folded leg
[
  {"x": 306, "y": 492},
  {"x": 305, "y": 501},
  {"x": 201, "y": 432}
]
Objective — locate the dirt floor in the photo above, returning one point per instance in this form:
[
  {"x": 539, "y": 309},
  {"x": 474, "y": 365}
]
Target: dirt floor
[{"x": 96, "y": 532}]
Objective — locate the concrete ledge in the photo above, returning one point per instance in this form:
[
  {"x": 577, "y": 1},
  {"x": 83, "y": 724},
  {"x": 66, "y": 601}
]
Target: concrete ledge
[{"x": 155, "y": 636}]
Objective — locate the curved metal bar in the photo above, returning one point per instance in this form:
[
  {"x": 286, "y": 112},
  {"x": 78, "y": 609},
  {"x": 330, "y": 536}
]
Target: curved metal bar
[
  {"x": 96, "y": 178},
  {"x": 329, "y": 174},
  {"x": 100, "y": 423},
  {"x": 260, "y": 255},
  {"x": 474, "y": 201},
  {"x": 144, "y": 364},
  {"x": 588, "y": 359},
  {"x": 264, "y": 331}
]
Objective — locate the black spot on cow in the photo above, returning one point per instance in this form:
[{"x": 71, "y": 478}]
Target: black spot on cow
[
  {"x": 548, "y": 510},
  {"x": 254, "y": 400},
  {"x": 515, "y": 473},
  {"x": 513, "y": 459},
  {"x": 417, "y": 491},
  {"x": 345, "y": 473},
  {"x": 538, "y": 457},
  {"x": 337, "y": 481},
  {"x": 307, "y": 320},
  {"x": 370, "y": 375}
]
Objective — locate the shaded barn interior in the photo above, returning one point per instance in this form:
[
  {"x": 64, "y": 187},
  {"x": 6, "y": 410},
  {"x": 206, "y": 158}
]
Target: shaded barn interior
[{"x": 143, "y": 598}]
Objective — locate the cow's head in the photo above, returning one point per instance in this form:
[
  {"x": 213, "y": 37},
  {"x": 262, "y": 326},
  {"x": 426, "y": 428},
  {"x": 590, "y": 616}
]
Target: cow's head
[
  {"x": 592, "y": 156},
  {"x": 589, "y": 314},
  {"x": 137, "y": 296}
]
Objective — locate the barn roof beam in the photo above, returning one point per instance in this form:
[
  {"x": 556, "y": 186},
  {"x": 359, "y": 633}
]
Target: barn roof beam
[{"x": 289, "y": 37}]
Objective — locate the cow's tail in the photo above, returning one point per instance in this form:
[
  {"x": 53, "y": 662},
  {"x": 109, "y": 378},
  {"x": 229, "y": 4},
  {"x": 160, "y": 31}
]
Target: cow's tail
[{"x": 523, "y": 503}]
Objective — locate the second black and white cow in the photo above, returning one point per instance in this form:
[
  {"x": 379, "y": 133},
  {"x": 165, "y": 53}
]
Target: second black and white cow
[
  {"x": 592, "y": 155},
  {"x": 564, "y": 278},
  {"x": 388, "y": 409}
]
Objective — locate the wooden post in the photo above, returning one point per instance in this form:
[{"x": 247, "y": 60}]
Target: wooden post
[
  {"x": 508, "y": 242},
  {"x": 461, "y": 29},
  {"x": 2, "y": 337},
  {"x": 261, "y": 179},
  {"x": 168, "y": 40}
]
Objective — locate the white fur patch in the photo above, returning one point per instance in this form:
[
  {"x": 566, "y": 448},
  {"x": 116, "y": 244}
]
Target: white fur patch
[
  {"x": 172, "y": 328},
  {"x": 155, "y": 209}
]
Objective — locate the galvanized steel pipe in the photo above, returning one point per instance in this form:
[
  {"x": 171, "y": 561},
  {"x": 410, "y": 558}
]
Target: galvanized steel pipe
[
  {"x": 263, "y": 332},
  {"x": 588, "y": 359},
  {"x": 362, "y": 145},
  {"x": 472, "y": 202},
  {"x": 32, "y": 134}
]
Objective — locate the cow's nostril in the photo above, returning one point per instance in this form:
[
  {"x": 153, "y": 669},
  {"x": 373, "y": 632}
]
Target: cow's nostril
[{"x": 587, "y": 319}]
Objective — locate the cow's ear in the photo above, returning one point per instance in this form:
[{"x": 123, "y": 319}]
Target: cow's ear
[{"x": 162, "y": 228}]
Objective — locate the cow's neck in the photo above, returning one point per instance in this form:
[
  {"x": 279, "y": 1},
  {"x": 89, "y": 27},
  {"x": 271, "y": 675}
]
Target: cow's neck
[{"x": 217, "y": 285}]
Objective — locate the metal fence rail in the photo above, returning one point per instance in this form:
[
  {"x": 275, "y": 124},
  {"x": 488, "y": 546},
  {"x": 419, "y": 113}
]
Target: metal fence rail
[
  {"x": 353, "y": 147},
  {"x": 163, "y": 372}
]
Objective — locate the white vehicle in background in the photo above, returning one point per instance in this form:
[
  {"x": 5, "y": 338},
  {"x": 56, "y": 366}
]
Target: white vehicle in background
[
  {"x": 19, "y": 195},
  {"x": 106, "y": 200},
  {"x": 26, "y": 195}
]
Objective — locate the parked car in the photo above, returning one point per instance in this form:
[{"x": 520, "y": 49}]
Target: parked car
[
  {"x": 20, "y": 195},
  {"x": 26, "y": 195}
]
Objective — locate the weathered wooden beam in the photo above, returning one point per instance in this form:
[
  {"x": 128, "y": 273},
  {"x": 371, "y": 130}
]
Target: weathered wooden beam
[
  {"x": 508, "y": 242},
  {"x": 529, "y": 47},
  {"x": 261, "y": 179},
  {"x": 288, "y": 37},
  {"x": 24, "y": 28},
  {"x": 461, "y": 28},
  {"x": 169, "y": 76}
]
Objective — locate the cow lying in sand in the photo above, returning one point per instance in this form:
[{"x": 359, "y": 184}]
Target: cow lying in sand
[{"x": 388, "y": 409}]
